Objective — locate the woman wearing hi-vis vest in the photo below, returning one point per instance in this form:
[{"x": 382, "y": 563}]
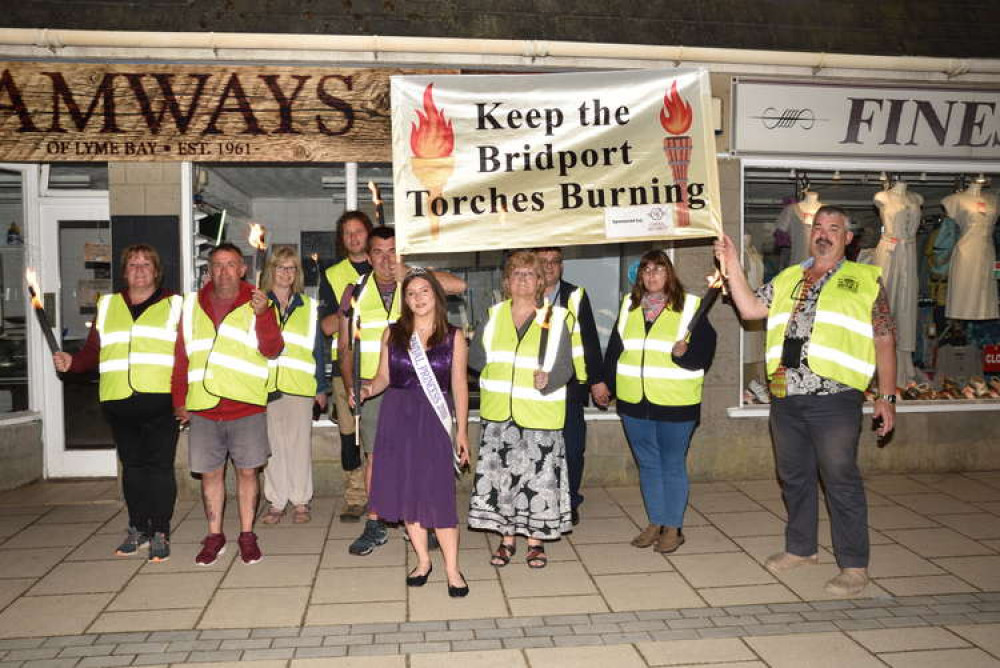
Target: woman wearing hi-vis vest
[
  {"x": 131, "y": 343},
  {"x": 525, "y": 357},
  {"x": 296, "y": 380},
  {"x": 657, "y": 375}
]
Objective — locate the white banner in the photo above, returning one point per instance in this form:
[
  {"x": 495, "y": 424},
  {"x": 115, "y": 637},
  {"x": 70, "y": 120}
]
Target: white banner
[
  {"x": 790, "y": 118},
  {"x": 514, "y": 161}
]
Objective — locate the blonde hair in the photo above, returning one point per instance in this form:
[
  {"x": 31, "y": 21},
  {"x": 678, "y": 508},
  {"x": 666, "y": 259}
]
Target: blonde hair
[
  {"x": 519, "y": 260},
  {"x": 282, "y": 254}
]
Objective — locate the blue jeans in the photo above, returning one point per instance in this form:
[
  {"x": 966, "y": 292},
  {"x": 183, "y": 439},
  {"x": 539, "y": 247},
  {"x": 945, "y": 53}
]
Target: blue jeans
[{"x": 660, "y": 450}]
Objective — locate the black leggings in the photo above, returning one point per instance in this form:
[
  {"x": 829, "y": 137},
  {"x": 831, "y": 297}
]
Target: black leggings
[{"x": 145, "y": 433}]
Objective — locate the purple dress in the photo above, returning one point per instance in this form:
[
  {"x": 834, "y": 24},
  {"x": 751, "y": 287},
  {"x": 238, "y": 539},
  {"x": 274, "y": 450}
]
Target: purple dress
[{"x": 413, "y": 478}]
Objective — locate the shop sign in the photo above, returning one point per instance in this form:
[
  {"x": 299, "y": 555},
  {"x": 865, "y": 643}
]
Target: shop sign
[
  {"x": 514, "y": 161},
  {"x": 789, "y": 118},
  {"x": 52, "y": 112},
  {"x": 991, "y": 359}
]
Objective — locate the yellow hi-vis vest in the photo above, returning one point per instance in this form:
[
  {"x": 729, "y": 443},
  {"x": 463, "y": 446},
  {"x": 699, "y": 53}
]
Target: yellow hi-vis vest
[
  {"x": 294, "y": 370},
  {"x": 842, "y": 344},
  {"x": 645, "y": 367},
  {"x": 136, "y": 356},
  {"x": 340, "y": 276},
  {"x": 374, "y": 320},
  {"x": 507, "y": 382},
  {"x": 576, "y": 335},
  {"x": 224, "y": 364}
]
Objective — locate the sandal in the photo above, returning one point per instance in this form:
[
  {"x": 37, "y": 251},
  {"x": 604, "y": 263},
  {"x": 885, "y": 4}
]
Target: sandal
[
  {"x": 536, "y": 556},
  {"x": 301, "y": 515},
  {"x": 503, "y": 554},
  {"x": 272, "y": 516}
]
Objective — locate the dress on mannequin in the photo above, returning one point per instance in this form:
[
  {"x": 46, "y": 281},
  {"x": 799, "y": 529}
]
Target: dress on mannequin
[
  {"x": 796, "y": 221},
  {"x": 754, "y": 331},
  {"x": 972, "y": 288},
  {"x": 896, "y": 254}
]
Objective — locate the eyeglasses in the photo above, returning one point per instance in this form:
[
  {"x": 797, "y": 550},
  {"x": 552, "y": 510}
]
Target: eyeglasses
[
  {"x": 550, "y": 263},
  {"x": 289, "y": 268},
  {"x": 654, "y": 269}
]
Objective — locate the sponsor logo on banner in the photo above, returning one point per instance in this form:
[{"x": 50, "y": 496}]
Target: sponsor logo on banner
[{"x": 499, "y": 162}]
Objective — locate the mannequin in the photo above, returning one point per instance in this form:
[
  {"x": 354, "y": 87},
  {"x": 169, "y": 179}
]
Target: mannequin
[
  {"x": 796, "y": 221},
  {"x": 972, "y": 289},
  {"x": 896, "y": 254}
]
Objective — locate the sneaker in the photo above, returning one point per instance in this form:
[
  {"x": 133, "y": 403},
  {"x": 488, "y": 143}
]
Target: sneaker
[
  {"x": 133, "y": 541},
  {"x": 159, "y": 547},
  {"x": 375, "y": 534},
  {"x": 352, "y": 512},
  {"x": 850, "y": 582},
  {"x": 212, "y": 546},
  {"x": 785, "y": 561},
  {"x": 249, "y": 550}
]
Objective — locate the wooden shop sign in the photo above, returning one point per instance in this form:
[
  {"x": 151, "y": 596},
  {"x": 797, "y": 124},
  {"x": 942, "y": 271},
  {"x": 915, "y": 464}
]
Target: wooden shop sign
[{"x": 102, "y": 112}]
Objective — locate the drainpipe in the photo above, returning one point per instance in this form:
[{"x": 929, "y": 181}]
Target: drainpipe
[{"x": 288, "y": 47}]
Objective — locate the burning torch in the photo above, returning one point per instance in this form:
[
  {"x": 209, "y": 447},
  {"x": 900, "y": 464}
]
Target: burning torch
[
  {"x": 432, "y": 141},
  {"x": 714, "y": 288},
  {"x": 257, "y": 240},
  {"x": 43, "y": 318},
  {"x": 377, "y": 201},
  {"x": 676, "y": 117}
]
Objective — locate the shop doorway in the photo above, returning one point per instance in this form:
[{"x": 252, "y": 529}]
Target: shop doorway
[{"x": 76, "y": 267}]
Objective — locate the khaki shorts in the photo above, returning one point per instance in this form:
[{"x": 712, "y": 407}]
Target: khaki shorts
[{"x": 243, "y": 440}]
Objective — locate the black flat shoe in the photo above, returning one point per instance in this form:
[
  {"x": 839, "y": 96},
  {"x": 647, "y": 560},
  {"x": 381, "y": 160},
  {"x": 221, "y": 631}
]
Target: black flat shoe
[
  {"x": 418, "y": 580},
  {"x": 458, "y": 592}
]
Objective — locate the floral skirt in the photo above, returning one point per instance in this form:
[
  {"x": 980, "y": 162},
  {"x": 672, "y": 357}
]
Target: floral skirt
[{"x": 521, "y": 485}]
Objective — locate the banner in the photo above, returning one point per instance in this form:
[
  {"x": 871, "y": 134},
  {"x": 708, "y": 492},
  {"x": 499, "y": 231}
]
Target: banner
[
  {"x": 51, "y": 112},
  {"x": 513, "y": 161}
]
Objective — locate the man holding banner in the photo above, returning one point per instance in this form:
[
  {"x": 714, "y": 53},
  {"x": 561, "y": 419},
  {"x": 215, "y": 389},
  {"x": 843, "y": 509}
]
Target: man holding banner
[{"x": 588, "y": 372}]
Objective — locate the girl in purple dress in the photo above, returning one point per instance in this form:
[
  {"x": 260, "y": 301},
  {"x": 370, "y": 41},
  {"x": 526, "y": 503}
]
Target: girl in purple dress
[{"x": 412, "y": 481}]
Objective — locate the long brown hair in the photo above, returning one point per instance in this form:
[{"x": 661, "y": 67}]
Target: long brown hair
[
  {"x": 400, "y": 333},
  {"x": 673, "y": 290}
]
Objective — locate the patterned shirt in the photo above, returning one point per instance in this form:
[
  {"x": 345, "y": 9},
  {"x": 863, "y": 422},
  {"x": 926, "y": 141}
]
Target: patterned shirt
[{"x": 803, "y": 380}]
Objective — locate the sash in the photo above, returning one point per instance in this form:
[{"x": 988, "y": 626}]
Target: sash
[{"x": 429, "y": 384}]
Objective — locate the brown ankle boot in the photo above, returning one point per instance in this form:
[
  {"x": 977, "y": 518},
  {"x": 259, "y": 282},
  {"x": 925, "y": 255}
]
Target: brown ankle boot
[
  {"x": 670, "y": 540},
  {"x": 648, "y": 536}
]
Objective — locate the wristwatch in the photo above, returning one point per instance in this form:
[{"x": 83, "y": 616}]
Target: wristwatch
[{"x": 891, "y": 398}]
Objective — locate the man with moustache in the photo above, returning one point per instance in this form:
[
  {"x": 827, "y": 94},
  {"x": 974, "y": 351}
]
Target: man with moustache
[{"x": 829, "y": 330}]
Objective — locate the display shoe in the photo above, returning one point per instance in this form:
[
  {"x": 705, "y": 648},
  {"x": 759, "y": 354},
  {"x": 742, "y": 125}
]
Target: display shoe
[
  {"x": 911, "y": 392},
  {"x": 670, "y": 539},
  {"x": 850, "y": 582},
  {"x": 995, "y": 383},
  {"x": 979, "y": 385},
  {"x": 785, "y": 561},
  {"x": 759, "y": 391},
  {"x": 649, "y": 535}
]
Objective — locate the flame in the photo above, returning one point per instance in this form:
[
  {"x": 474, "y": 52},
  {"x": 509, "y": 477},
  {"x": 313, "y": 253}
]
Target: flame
[
  {"x": 376, "y": 195},
  {"x": 432, "y": 136},
  {"x": 314, "y": 257},
  {"x": 355, "y": 319},
  {"x": 257, "y": 235},
  {"x": 676, "y": 115},
  {"x": 32, "y": 278}
]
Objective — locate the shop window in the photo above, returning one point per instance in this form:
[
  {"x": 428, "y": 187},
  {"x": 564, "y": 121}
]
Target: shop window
[
  {"x": 77, "y": 176},
  {"x": 933, "y": 235},
  {"x": 13, "y": 302}
]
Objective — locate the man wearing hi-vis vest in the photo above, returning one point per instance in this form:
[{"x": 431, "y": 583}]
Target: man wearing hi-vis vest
[
  {"x": 131, "y": 343},
  {"x": 353, "y": 228},
  {"x": 588, "y": 376},
  {"x": 376, "y": 305},
  {"x": 829, "y": 331},
  {"x": 219, "y": 386}
]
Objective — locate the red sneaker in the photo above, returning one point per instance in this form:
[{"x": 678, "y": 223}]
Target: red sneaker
[
  {"x": 213, "y": 545},
  {"x": 249, "y": 550}
]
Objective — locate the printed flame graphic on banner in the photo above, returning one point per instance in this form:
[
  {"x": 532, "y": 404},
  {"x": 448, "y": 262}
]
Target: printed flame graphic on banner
[
  {"x": 432, "y": 141},
  {"x": 676, "y": 118},
  {"x": 676, "y": 115}
]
